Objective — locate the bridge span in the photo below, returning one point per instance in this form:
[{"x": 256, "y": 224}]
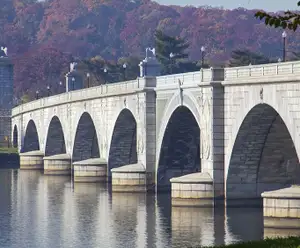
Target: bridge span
[{"x": 230, "y": 132}]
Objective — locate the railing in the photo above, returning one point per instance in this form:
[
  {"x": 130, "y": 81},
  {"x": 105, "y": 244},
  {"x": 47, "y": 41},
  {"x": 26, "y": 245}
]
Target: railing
[
  {"x": 83, "y": 94},
  {"x": 265, "y": 70},
  {"x": 206, "y": 75}
]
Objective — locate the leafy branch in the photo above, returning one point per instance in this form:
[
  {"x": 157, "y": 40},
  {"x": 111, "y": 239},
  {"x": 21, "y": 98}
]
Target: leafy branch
[{"x": 289, "y": 20}]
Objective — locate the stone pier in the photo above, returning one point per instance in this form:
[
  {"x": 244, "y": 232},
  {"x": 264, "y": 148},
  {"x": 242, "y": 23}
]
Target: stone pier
[
  {"x": 282, "y": 208},
  {"x": 57, "y": 165},
  {"x": 32, "y": 160},
  {"x": 129, "y": 178},
  {"x": 192, "y": 190},
  {"x": 90, "y": 170}
]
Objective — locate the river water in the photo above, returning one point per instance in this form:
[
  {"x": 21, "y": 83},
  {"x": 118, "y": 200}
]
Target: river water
[{"x": 39, "y": 211}]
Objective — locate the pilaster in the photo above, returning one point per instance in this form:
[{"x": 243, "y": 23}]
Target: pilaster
[
  {"x": 147, "y": 133},
  {"x": 218, "y": 138},
  {"x": 6, "y": 100}
]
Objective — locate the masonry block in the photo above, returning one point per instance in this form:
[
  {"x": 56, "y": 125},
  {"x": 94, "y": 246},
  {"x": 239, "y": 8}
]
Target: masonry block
[
  {"x": 32, "y": 160},
  {"x": 192, "y": 190},
  {"x": 57, "y": 165},
  {"x": 282, "y": 208},
  {"x": 129, "y": 178},
  {"x": 90, "y": 170}
]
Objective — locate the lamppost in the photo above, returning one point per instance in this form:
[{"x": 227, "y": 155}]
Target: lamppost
[
  {"x": 88, "y": 78},
  {"x": 60, "y": 85},
  {"x": 73, "y": 83},
  {"x": 105, "y": 73},
  {"x": 124, "y": 71},
  {"x": 284, "y": 34},
  {"x": 48, "y": 90},
  {"x": 171, "y": 62},
  {"x": 202, "y": 56},
  {"x": 37, "y": 94}
]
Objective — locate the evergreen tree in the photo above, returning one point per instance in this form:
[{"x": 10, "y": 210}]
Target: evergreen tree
[
  {"x": 166, "y": 45},
  {"x": 246, "y": 57}
]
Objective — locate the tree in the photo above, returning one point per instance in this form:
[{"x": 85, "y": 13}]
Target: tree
[
  {"x": 102, "y": 71},
  {"x": 246, "y": 57},
  {"x": 95, "y": 67},
  {"x": 167, "y": 45},
  {"x": 289, "y": 19},
  {"x": 295, "y": 56}
]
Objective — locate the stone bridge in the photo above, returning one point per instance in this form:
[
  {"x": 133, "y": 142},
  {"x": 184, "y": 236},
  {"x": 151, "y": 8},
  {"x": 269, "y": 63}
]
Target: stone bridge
[{"x": 234, "y": 130}]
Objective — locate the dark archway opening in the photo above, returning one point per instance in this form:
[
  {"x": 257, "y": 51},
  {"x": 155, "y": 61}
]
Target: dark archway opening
[
  {"x": 15, "y": 137},
  {"x": 263, "y": 157},
  {"x": 55, "y": 143},
  {"x": 31, "y": 139},
  {"x": 180, "y": 150},
  {"x": 123, "y": 147},
  {"x": 86, "y": 141}
]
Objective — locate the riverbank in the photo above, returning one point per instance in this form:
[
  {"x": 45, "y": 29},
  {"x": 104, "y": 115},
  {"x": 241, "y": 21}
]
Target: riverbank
[
  {"x": 8, "y": 150},
  {"x": 291, "y": 242},
  {"x": 9, "y": 158}
]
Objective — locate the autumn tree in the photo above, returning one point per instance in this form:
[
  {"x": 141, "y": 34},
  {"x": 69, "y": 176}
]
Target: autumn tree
[
  {"x": 289, "y": 19},
  {"x": 246, "y": 57}
]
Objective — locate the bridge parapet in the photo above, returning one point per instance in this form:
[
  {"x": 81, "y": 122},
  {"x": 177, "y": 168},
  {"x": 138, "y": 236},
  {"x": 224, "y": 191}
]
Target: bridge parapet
[
  {"x": 190, "y": 79},
  {"x": 263, "y": 73},
  {"x": 128, "y": 87}
]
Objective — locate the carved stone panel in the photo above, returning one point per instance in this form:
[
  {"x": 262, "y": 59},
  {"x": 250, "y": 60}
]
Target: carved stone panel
[{"x": 206, "y": 130}]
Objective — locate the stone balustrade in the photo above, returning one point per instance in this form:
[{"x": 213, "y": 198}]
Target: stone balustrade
[
  {"x": 190, "y": 79},
  {"x": 104, "y": 90},
  {"x": 261, "y": 73}
]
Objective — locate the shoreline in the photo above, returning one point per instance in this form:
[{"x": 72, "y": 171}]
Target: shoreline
[{"x": 290, "y": 242}]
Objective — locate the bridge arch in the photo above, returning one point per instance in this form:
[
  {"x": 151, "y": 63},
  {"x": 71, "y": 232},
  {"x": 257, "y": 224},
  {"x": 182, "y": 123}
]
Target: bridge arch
[
  {"x": 179, "y": 153},
  {"x": 123, "y": 145},
  {"x": 15, "y": 137},
  {"x": 31, "y": 138},
  {"x": 86, "y": 141},
  {"x": 179, "y": 99},
  {"x": 55, "y": 140},
  {"x": 263, "y": 156}
]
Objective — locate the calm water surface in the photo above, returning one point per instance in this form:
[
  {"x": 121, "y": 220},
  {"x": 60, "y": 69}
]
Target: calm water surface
[{"x": 46, "y": 211}]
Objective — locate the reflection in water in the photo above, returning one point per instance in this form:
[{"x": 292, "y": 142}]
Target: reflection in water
[
  {"x": 276, "y": 232},
  {"x": 192, "y": 226},
  {"x": 125, "y": 209},
  {"x": 45, "y": 211},
  {"x": 243, "y": 224},
  {"x": 6, "y": 179}
]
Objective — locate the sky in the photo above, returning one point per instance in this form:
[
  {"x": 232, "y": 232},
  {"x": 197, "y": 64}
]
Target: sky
[{"x": 269, "y": 5}]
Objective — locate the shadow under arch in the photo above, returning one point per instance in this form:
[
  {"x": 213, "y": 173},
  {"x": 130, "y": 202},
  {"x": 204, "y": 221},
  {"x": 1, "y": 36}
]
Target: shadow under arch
[
  {"x": 123, "y": 146},
  {"x": 31, "y": 139},
  {"x": 180, "y": 149},
  {"x": 263, "y": 157},
  {"x": 86, "y": 140},
  {"x": 55, "y": 143},
  {"x": 15, "y": 137}
]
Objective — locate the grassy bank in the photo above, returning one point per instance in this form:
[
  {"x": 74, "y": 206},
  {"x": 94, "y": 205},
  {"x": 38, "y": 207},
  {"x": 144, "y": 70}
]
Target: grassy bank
[
  {"x": 8, "y": 150},
  {"x": 291, "y": 242}
]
